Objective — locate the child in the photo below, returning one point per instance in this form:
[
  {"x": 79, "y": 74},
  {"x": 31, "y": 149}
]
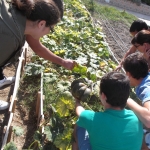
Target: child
[
  {"x": 142, "y": 42},
  {"x": 116, "y": 127},
  {"x": 136, "y": 26},
  {"x": 136, "y": 68}
]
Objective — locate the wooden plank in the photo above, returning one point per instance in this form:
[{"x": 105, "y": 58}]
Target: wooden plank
[
  {"x": 25, "y": 55},
  {"x": 40, "y": 110},
  {"x": 10, "y": 108},
  {"x": 22, "y": 67},
  {"x": 14, "y": 105},
  {"x": 38, "y": 103},
  {"x": 4, "y": 129},
  {"x": 10, "y": 133},
  {"x": 16, "y": 81},
  {"x": 41, "y": 121},
  {"x": 7, "y": 130}
]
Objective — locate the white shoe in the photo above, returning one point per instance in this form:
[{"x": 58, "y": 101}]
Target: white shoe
[
  {"x": 3, "y": 105},
  {"x": 5, "y": 81}
]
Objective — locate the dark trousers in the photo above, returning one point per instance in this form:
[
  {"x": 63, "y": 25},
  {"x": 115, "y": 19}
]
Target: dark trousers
[{"x": 1, "y": 73}]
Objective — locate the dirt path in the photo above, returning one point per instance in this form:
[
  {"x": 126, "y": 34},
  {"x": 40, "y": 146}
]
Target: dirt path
[{"x": 6, "y": 93}]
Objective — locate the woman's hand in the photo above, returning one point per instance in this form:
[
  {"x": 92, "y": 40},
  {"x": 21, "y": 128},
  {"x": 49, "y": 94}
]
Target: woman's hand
[
  {"x": 68, "y": 64},
  {"x": 118, "y": 68}
]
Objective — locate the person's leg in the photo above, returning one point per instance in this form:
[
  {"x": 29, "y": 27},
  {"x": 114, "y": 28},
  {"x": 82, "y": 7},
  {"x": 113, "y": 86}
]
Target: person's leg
[
  {"x": 4, "y": 80},
  {"x": 74, "y": 139},
  {"x": 147, "y": 140},
  {"x": 1, "y": 74},
  {"x": 83, "y": 139},
  {"x": 3, "y": 105}
]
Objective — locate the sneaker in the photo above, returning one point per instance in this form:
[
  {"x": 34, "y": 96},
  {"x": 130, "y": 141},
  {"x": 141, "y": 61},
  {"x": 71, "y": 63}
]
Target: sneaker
[
  {"x": 3, "y": 105},
  {"x": 7, "y": 81}
]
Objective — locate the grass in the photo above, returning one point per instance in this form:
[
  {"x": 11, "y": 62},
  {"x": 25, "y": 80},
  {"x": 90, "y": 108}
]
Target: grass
[
  {"x": 109, "y": 12},
  {"x": 27, "y": 93}
]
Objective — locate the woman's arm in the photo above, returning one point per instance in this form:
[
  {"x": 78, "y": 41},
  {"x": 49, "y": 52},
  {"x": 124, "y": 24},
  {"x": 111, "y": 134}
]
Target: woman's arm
[
  {"x": 143, "y": 113},
  {"x": 45, "y": 53}
]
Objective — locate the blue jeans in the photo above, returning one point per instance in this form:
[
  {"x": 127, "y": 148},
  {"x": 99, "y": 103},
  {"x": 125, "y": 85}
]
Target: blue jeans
[{"x": 83, "y": 139}]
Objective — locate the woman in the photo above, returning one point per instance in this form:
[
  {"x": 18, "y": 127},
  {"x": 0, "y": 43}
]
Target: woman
[
  {"x": 28, "y": 20},
  {"x": 142, "y": 42}
]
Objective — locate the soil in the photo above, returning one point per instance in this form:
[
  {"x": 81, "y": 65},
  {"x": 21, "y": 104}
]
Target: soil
[
  {"x": 112, "y": 30},
  {"x": 26, "y": 119},
  {"x": 22, "y": 117}
]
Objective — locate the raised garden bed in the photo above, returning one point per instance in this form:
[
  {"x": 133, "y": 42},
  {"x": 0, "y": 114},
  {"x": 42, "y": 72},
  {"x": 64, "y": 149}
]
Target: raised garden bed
[{"x": 8, "y": 129}]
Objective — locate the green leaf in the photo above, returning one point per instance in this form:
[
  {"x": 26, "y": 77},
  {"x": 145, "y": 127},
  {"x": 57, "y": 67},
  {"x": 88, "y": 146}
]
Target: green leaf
[
  {"x": 63, "y": 86},
  {"x": 63, "y": 141},
  {"x": 50, "y": 77},
  {"x": 80, "y": 69},
  {"x": 82, "y": 60},
  {"x": 10, "y": 146},
  {"x": 37, "y": 136},
  {"x": 18, "y": 130},
  {"x": 33, "y": 69},
  {"x": 64, "y": 103},
  {"x": 48, "y": 133},
  {"x": 93, "y": 76}
]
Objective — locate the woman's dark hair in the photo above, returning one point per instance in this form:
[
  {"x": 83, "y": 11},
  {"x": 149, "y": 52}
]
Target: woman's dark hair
[
  {"x": 136, "y": 65},
  {"x": 49, "y": 10},
  {"x": 116, "y": 87},
  {"x": 141, "y": 37},
  {"x": 138, "y": 25}
]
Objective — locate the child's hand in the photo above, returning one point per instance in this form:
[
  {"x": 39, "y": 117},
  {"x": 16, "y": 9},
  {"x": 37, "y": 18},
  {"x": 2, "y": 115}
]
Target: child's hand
[
  {"x": 147, "y": 54},
  {"x": 118, "y": 67},
  {"x": 77, "y": 100}
]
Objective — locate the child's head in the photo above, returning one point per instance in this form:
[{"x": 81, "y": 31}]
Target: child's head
[
  {"x": 115, "y": 86},
  {"x": 136, "y": 66},
  {"x": 137, "y": 26},
  {"x": 142, "y": 41}
]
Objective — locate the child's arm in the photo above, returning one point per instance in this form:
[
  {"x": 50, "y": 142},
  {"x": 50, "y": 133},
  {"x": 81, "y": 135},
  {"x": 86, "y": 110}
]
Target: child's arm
[
  {"x": 143, "y": 113},
  {"x": 130, "y": 51},
  {"x": 79, "y": 108}
]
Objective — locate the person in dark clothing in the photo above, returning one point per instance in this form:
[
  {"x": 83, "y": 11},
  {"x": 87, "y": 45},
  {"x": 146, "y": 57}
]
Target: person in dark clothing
[{"x": 27, "y": 20}]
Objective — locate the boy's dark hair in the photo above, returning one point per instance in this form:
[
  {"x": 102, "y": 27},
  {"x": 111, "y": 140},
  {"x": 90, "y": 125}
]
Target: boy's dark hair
[
  {"x": 136, "y": 65},
  {"x": 116, "y": 87},
  {"x": 138, "y": 25},
  {"x": 141, "y": 37}
]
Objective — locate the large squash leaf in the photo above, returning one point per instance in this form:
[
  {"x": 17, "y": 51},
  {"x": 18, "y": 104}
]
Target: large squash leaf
[
  {"x": 63, "y": 141},
  {"x": 64, "y": 104}
]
